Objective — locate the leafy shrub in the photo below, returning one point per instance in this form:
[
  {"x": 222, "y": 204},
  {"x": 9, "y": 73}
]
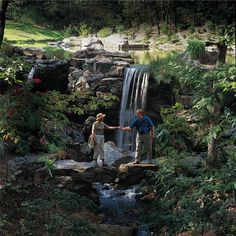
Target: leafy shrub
[
  {"x": 120, "y": 28},
  {"x": 71, "y": 30},
  {"x": 210, "y": 27},
  {"x": 191, "y": 198},
  {"x": 30, "y": 119},
  {"x": 147, "y": 31},
  {"x": 174, "y": 132},
  {"x": 175, "y": 38},
  {"x": 47, "y": 213},
  {"x": 11, "y": 67},
  {"x": 162, "y": 39},
  {"x": 226, "y": 35},
  {"x": 165, "y": 29},
  {"x": 104, "y": 32},
  {"x": 195, "y": 48},
  {"x": 180, "y": 27},
  {"x": 85, "y": 30},
  {"x": 191, "y": 29},
  {"x": 162, "y": 70},
  {"x": 33, "y": 121},
  {"x": 145, "y": 40}
]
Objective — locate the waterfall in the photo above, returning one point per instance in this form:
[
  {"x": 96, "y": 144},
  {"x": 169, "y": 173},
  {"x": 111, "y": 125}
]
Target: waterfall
[
  {"x": 133, "y": 97},
  {"x": 31, "y": 74}
]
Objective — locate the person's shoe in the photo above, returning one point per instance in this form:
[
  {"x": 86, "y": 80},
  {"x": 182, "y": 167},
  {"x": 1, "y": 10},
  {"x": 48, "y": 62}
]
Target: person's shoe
[
  {"x": 95, "y": 163},
  {"x": 136, "y": 162},
  {"x": 104, "y": 164}
]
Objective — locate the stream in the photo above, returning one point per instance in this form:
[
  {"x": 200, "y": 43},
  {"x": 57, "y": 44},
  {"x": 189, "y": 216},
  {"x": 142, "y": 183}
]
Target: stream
[{"x": 119, "y": 206}]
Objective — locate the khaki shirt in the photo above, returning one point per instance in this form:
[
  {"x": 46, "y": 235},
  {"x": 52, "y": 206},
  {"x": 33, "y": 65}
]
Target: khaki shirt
[{"x": 98, "y": 127}]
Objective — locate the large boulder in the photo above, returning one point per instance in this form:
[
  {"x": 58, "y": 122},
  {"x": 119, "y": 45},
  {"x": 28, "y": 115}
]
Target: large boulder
[
  {"x": 115, "y": 156},
  {"x": 28, "y": 169},
  {"x": 77, "y": 149},
  {"x": 112, "y": 85},
  {"x": 103, "y": 65},
  {"x": 81, "y": 84},
  {"x": 36, "y": 53},
  {"x": 53, "y": 74}
]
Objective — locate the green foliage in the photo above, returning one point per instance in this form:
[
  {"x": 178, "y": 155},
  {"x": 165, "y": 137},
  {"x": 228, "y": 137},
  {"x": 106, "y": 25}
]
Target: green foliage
[
  {"x": 147, "y": 31},
  {"x": 210, "y": 88},
  {"x": 175, "y": 38},
  {"x": 4, "y": 222},
  {"x": 72, "y": 30},
  {"x": 174, "y": 132},
  {"x": 104, "y": 32},
  {"x": 11, "y": 67},
  {"x": 180, "y": 26},
  {"x": 120, "y": 28},
  {"x": 210, "y": 26},
  {"x": 84, "y": 30},
  {"x": 191, "y": 29},
  {"x": 190, "y": 198},
  {"x": 162, "y": 70},
  {"x": 132, "y": 32},
  {"x": 165, "y": 29},
  {"x": 1, "y": 149},
  {"x": 49, "y": 163},
  {"x": 31, "y": 120},
  {"x": 226, "y": 35},
  {"x": 57, "y": 53},
  {"x": 50, "y": 212},
  {"x": 90, "y": 102},
  {"x": 195, "y": 48}
]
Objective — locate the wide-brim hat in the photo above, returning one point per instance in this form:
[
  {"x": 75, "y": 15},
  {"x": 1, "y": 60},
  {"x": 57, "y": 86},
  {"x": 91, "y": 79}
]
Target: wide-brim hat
[{"x": 100, "y": 115}]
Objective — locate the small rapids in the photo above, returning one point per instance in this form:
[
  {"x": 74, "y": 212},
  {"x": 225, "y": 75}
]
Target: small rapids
[{"x": 119, "y": 206}]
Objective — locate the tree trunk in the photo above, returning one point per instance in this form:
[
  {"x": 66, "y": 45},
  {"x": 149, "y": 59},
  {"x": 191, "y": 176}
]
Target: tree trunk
[
  {"x": 157, "y": 14},
  {"x": 3, "y": 10},
  {"x": 212, "y": 153},
  {"x": 222, "y": 52},
  {"x": 175, "y": 16}
]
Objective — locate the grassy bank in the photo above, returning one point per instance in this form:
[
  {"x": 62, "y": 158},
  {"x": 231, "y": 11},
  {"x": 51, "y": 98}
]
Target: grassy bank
[{"x": 30, "y": 35}]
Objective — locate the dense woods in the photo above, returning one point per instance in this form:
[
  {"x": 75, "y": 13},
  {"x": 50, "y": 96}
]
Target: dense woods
[{"x": 115, "y": 14}]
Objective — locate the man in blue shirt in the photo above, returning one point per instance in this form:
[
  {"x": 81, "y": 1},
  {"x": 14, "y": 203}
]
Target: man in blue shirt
[{"x": 145, "y": 134}]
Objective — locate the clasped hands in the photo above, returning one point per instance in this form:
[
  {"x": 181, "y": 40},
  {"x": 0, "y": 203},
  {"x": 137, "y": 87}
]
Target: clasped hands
[{"x": 119, "y": 127}]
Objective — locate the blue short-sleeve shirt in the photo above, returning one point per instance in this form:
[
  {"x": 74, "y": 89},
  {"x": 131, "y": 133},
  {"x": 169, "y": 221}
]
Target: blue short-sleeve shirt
[{"x": 143, "y": 126}]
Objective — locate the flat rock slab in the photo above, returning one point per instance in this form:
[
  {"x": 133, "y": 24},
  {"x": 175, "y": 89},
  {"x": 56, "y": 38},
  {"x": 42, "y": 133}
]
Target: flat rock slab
[
  {"x": 134, "y": 173},
  {"x": 73, "y": 165},
  {"x": 84, "y": 171},
  {"x": 136, "y": 168}
]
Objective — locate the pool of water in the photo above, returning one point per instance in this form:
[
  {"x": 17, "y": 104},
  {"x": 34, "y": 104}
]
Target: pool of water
[{"x": 147, "y": 56}]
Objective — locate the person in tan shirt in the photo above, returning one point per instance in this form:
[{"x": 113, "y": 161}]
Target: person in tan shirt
[{"x": 98, "y": 137}]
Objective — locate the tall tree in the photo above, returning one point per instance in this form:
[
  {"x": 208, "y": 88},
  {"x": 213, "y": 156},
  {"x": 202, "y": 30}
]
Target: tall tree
[{"x": 3, "y": 9}]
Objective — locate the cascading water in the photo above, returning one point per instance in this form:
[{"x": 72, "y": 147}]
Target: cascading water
[
  {"x": 118, "y": 205},
  {"x": 133, "y": 97},
  {"x": 31, "y": 74}
]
